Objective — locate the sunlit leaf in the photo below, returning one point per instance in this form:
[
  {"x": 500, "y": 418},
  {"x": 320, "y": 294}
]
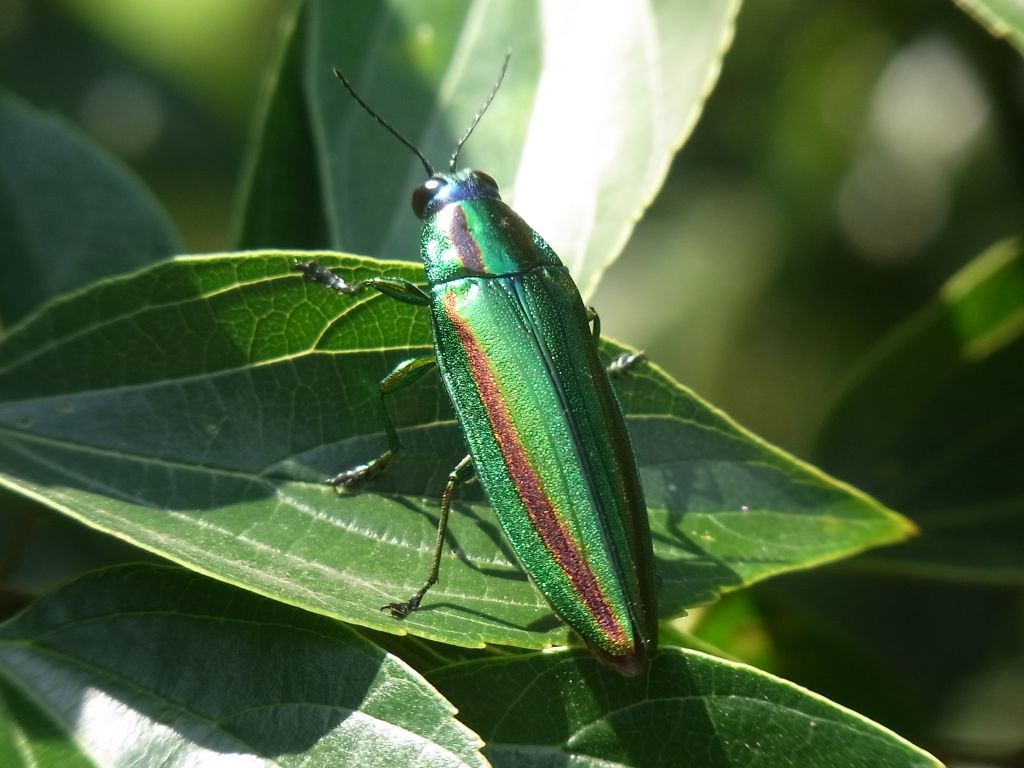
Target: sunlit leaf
[
  {"x": 151, "y": 665},
  {"x": 596, "y": 102},
  {"x": 194, "y": 408}
]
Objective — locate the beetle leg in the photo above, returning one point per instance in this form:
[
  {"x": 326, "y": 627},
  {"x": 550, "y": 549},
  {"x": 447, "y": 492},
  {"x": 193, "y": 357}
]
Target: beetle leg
[
  {"x": 595, "y": 323},
  {"x": 401, "y": 610},
  {"x": 395, "y": 287},
  {"x": 405, "y": 373},
  {"x": 624, "y": 363}
]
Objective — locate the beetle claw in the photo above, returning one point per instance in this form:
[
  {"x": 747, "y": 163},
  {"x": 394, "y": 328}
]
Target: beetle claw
[
  {"x": 345, "y": 480},
  {"x": 350, "y": 477},
  {"x": 401, "y": 610},
  {"x": 625, "y": 362},
  {"x": 398, "y": 610}
]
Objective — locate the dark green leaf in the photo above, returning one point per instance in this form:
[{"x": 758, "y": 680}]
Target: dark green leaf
[
  {"x": 691, "y": 709},
  {"x": 151, "y": 665},
  {"x": 931, "y": 422},
  {"x": 597, "y": 100},
  {"x": 30, "y": 737},
  {"x": 194, "y": 408},
  {"x": 69, "y": 213},
  {"x": 283, "y": 200},
  {"x": 40, "y": 548},
  {"x": 849, "y": 634}
]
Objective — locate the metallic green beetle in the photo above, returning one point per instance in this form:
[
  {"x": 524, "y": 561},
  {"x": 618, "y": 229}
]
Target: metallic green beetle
[{"x": 517, "y": 352}]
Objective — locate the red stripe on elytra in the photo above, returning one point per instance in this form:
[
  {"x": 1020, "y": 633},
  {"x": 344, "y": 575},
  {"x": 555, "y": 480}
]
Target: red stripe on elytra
[
  {"x": 538, "y": 505},
  {"x": 465, "y": 244}
]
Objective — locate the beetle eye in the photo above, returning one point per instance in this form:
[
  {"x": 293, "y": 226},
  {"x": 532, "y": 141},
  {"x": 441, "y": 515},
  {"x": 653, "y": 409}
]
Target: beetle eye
[{"x": 423, "y": 194}]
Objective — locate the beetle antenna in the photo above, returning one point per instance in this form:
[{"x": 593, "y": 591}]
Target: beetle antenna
[
  {"x": 478, "y": 115},
  {"x": 390, "y": 128}
]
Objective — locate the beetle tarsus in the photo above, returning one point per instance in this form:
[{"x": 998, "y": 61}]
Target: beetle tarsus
[
  {"x": 401, "y": 610},
  {"x": 350, "y": 477},
  {"x": 318, "y": 273},
  {"x": 624, "y": 362}
]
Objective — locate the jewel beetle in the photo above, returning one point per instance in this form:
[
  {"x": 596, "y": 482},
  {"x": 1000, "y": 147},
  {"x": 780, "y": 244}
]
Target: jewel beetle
[{"x": 517, "y": 352}]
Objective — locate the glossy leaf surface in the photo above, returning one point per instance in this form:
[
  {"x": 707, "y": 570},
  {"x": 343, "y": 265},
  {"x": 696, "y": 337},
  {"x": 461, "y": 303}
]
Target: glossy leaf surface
[
  {"x": 194, "y": 408},
  {"x": 151, "y": 665},
  {"x": 691, "y": 709}
]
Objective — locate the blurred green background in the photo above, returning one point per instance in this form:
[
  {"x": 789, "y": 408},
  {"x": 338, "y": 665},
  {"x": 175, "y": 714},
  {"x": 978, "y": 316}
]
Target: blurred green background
[{"x": 851, "y": 158}]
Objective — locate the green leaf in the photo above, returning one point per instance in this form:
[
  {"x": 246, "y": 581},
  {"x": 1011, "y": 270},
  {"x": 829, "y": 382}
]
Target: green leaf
[
  {"x": 69, "y": 213},
  {"x": 1002, "y": 18},
  {"x": 31, "y": 738},
  {"x": 849, "y": 635},
  {"x": 193, "y": 409},
  {"x": 40, "y": 548},
  {"x": 596, "y": 102},
  {"x": 691, "y": 709},
  {"x": 151, "y": 665},
  {"x": 283, "y": 200},
  {"x": 931, "y": 422}
]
